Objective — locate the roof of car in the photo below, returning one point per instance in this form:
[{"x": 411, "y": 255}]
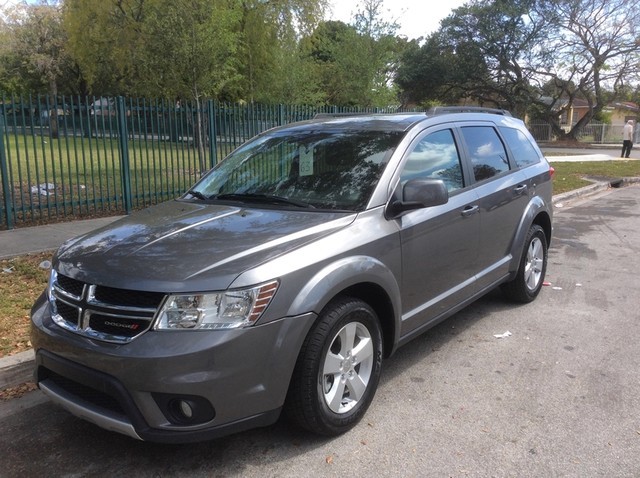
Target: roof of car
[
  {"x": 388, "y": 121},
  {"x": 373, "y": 122}
]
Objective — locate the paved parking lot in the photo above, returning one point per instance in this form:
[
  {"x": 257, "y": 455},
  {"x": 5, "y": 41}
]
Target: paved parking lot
[{"x": 558, "y": 397}]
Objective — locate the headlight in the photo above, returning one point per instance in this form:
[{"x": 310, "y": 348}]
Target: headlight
[
  {"x": 53, "y": 276},
  {"x": 217, "y": 310}
]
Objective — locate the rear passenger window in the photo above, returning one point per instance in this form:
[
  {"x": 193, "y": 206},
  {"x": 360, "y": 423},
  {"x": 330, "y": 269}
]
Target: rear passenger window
[
  {"x": 523, "y": 151},
  {"x": 486, "y": 151},
  {"x": 435, "y": 156}
]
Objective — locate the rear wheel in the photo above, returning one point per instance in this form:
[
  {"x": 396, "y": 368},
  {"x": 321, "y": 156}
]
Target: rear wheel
[
  {"x": 337, "y": 372},
  {"x": 533, "y": 266}
]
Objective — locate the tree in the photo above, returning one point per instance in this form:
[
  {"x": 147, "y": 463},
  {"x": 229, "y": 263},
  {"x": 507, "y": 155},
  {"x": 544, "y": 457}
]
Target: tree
[
  {"x": 355, "y": 63},
  {"x": 106, "y": 39},
  {"x": 489, "y": 46},
  {"x": 127, "y": 46},
  {"x": 269, "y": 60},
  {"x": 438, "y": 73},
  {"x": 530, "y": 56},
  {"x": 593, "y": 54},
  {"x": 188, "y": 53},
  {"x": 380, "y": 50},
  {"x": 328, "y": 52},
  {"x": 176, "y": 49},
  {"x": 35, "y": 54}
]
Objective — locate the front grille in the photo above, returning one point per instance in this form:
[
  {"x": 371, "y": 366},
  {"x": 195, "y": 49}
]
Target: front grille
[
  {"x": 71, "y": 286},
  {"x": 103, "y": 313},
  {"x": 127, "y": 298}
]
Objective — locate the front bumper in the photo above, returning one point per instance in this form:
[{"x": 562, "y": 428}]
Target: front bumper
[{"x": 233, "y": 380}]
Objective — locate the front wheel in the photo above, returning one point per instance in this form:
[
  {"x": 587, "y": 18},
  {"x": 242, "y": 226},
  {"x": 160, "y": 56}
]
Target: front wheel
[
  {"x": 337, "y": 372},
  {"x": 531, "y": 271}
]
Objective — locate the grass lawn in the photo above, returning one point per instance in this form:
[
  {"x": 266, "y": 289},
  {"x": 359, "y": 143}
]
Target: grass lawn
[
  {"x": 78, "y": 176},
  {"x": 571, "y": 175},
  {"x": 21, "y": 282}
]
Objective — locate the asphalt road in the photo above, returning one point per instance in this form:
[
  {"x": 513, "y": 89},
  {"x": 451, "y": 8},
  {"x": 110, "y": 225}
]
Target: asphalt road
[{"x": 559, "y": 397}]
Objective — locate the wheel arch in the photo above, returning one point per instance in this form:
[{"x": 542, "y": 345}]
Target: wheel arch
[
  {"x": 380, "y": 301},
  {"x": 536, "y": 213},
  {"x": 361, "y": 277},
  {"x": 543, "y": 219}
]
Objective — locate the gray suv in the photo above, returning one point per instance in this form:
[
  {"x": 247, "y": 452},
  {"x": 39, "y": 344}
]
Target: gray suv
[{"x": 285, "y": 276}]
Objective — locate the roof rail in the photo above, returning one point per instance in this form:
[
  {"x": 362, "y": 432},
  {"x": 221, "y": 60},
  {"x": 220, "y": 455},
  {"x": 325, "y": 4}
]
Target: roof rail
[
  {"x": 366, "y": 113},
  {"x": 341, "y": 115},
  {"x": 441, "y": 110}
]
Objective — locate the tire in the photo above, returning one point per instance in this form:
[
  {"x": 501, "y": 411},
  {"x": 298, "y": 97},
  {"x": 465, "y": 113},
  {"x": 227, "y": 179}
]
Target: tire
[
  {"x": 526, "y": 286},
  {"x": 338, "y": 369}
]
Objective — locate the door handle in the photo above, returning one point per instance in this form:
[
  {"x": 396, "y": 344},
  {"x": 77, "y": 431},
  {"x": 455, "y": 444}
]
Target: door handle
[
  {"x": 470, "y": 210},
  {"x": 520, "y": 189}
]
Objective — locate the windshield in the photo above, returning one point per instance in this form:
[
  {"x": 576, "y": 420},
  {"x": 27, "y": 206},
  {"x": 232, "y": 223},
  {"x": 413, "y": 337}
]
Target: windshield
[{"x": 317, "y": 169}]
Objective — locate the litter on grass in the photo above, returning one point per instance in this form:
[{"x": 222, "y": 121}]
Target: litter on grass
[{"x": 43, "y": 189}]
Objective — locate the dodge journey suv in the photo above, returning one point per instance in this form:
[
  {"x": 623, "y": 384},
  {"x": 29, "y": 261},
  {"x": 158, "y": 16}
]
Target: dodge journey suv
[{"x": 290, "y": 272}]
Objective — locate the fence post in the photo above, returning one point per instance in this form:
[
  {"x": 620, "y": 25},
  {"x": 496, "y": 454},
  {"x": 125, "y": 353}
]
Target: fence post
[
  {"x": 280, "y": 115},
  {"x": 123, "y": 140},
  {"x": 4, "y": 173},
  {"x": 213, "y": 139}
]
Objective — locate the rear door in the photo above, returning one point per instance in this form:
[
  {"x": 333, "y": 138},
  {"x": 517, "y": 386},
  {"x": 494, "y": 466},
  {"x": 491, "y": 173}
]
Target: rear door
[{"x": 502, "y": 198}]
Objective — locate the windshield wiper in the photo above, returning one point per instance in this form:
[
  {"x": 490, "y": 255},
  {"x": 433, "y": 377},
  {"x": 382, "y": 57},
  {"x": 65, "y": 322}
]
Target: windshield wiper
[
  {"x": 197, "y": 194},
  {"x": 264, "y": 198}
]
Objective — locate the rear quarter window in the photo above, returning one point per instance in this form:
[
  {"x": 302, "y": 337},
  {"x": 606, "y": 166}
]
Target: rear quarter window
[{"x": 524, "y": 153}]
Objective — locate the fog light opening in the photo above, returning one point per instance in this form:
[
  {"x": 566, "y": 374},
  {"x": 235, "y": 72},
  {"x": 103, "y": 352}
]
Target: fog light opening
[{"x": 185, "y": 410}]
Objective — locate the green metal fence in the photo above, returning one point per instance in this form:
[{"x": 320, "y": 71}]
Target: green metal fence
[{"x": 77, "y": 157}]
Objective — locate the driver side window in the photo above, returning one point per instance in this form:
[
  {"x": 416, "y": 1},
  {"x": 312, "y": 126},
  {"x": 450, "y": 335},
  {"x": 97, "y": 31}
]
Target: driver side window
[{"x": 435, "y": 156}]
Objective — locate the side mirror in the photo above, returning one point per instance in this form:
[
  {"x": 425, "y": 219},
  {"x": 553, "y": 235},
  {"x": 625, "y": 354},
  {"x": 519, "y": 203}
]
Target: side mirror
[{"x": 419, "y": 194}]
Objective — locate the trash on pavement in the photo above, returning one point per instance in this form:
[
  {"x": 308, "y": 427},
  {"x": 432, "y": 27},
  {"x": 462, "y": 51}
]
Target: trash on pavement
[{"x": 503, "y": 336}]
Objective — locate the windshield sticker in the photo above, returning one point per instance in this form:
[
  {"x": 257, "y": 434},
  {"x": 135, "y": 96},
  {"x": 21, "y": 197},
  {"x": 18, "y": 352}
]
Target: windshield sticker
[{"x": 306, "y": 161}]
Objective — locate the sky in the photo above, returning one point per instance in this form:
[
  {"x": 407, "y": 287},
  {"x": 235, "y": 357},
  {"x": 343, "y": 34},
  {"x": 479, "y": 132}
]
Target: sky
[{"x": 416, "y": 17}]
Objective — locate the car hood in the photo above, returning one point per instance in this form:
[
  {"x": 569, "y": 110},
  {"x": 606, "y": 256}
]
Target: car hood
[{"x": 181, "y": 246}]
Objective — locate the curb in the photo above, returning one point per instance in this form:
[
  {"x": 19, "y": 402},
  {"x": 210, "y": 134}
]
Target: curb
[
  {"x": 18, "y": 369},
  {"x": 594, "y": 188}
]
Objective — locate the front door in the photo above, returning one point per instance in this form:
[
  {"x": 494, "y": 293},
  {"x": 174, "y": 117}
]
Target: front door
[{"x": 439, "y": 244}]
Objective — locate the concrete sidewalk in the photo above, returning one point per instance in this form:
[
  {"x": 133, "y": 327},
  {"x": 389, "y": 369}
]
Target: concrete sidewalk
[
  {"x": 25, "y": 240},
  {"x": 17, "y": 369}
]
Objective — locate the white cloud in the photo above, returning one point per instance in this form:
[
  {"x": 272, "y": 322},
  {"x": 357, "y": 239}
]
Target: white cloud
[{"x": 416, "y": 17}]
